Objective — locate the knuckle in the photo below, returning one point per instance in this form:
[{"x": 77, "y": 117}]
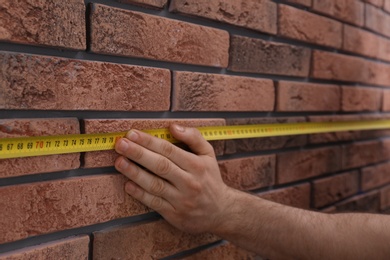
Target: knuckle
[
  {"x": 138, "y": 154},
  {"x": 157, "y": 186},
  {"x": 156, "y": 203},
  {"x": 167, "y": 149},
  {"x": 163, "y": 166}
]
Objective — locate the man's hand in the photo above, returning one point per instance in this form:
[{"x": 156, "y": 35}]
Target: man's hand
[{"x": 185, "y": 188}]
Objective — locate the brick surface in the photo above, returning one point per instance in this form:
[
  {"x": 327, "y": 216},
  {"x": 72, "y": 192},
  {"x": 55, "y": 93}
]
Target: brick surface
[
  {"x": 368, "y": 202},
  {"x": 107, "y": 158},
  {"x": 248, "y": 173},
  {"x": 44, "y": 207},
  {"x": 65, "y": 84},
  {"x": 375, "y": 176},
  {"x": 153, "y": 240},
  {"x": 38, "y": 127},
  {"x": 335, "y": 66},
  {"x": 264, "y": 143},
  {"x": 259, "y": 56},
  {"x": 226, "y": 251},
  {"x": 69, "y": 248},
  {"x": 385, "y": 152},
  {"x": 299, "y": 165},
  {"x": 361, "y": 154},
  {"x": 386, "y": 100},
  {"x": 366, "y": 43},
  {"x": 350, "y": 11},
  {"x": 147, "y": 3},
  {"x": 252, "y": 14},
  {"x": 128, "y": 33},
  {"x": 295, "y": 196},
  {"x": 332, "y": 189},
  {"x": 298, "y": 96},
  {"x": 212, "y": 92},
  {"x": 360, "y": 98},
  {"x": 55, "y": 23},
  {"x": 385, "y": 198},
  {"x": 308, "y": 27},
  {"x": 300, "y": 2},
  {"x": 377, "y": 20}
]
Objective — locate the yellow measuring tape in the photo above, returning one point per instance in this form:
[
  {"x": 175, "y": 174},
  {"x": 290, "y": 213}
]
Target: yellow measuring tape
[{"x": 62, "y": 144}]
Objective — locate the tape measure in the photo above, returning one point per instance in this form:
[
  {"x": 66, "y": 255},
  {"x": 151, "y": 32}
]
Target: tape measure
[{"x": 62, "y": 144}]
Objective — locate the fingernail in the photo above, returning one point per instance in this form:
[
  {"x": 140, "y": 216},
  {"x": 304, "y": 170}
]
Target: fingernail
[
  {"x": 132, "y": 135},
  {"x": 179, "y": 128},
  {"x": 123, "y": 145}
]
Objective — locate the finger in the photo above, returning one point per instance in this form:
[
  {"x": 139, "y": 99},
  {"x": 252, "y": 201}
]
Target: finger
[
  {"x": 154, "y": 202},
  {"x": 152, "y": 161},
  {"x": 181, "y": 158},
  {"x": 193, "y": 138},
  {"x": 146, "y": 180}
]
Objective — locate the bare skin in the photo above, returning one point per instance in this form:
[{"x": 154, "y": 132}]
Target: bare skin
[{"x": 188, "y": 191}]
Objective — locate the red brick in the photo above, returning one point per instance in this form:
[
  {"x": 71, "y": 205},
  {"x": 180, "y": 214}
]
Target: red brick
[
  {"x": 366, "y": 43},
  {"x": 38, "y": 127},
  {"x": 259, "y": 56},
  {"x": 65, "y": 84},
  {"x": 350, "y": 11},
  {"x": 385, "y": 153},
  {"x": 295, "y": 196},
  {"x": 264, "y": 143},
  {"x": 298, "y": 96},
  {"x": 361, "y": 154},
  {"x": 153, "y": 240},
  {"x": 331, "y": 189},
  {"x": 252, "y": 14},
  {"x": 227, "y": 251},
  {"x": 147, "y": 3},
  {"x": 68, "y": 248},
  {"x": 55, "y": 23},
  {"x": 386, "y": 100},
  {"x": 368, "y": 202},
  {"x": 107, "y": 158},
  {"x": 300, "y": 2},
  {"x": 308, "y": 27},
  {"x": 334, "y": 66},
  {"x": 375, "y": 176},
  {"x": 299, "y": 165},
  {"x": 248, "y": 173},
  {"x": 361, "y": 99},
  {"x": 128, "y": 33},
  {"x": 44, "y": 207},
  {"x": 378, "y": 3},
  {"x": 377, "y": 20},
  {"x": 385, "y": 198},
  {"x": 212, "y": 92}
]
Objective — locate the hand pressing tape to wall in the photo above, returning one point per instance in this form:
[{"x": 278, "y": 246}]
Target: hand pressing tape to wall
[{"x": 61, "y": 144}]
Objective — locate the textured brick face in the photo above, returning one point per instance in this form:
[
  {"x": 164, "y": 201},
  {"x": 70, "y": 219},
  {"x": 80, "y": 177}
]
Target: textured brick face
[
  {"x": 305, "y": 26},
  {"x": 248, "y": 173},
  {"x": 127, "y": 33},
  {"x": 294, "y": 196},
  {"x": 65, "y": 84},
  {"x": 70, "y": 248},
  {"x": 54, "y": 23},
  {"x": 226, "y": 251},
  {"x": 145, "y": 241},
  {"x": 212, "y": 92},
  {"x": 292, "y": 166},
  {"x": 335, "y": 188},
  {"x": 375, "y": 176},
  {"x": 39, "y": 208},
  {"x": 361, "y": 99},
  {"x": 361, "y": 154},
  {"x": 351, "y": 11},
  {"x": 265, "y": 143},
  {"x": 252, "y": 14},
  {"x": 385, "y": 198},
  {"x": 38, "y": 127},
  {"x": 150, "y": 3},
  {"x": 293, "y": 96},
  {"x": 363, "y": 203},
  {"x": 258, "y": 56},
  {"x": 377, "y": 20},
  {"x": 107, "y": 158},
  {"x": 386, "y": 100}
]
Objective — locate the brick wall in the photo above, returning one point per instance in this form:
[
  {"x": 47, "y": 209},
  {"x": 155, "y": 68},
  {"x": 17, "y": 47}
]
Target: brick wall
[{"x": 105, "y": 66}]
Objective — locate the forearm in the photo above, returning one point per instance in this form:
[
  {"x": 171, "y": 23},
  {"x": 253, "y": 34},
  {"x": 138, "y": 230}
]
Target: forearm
[{"x": 281, "y": 232}]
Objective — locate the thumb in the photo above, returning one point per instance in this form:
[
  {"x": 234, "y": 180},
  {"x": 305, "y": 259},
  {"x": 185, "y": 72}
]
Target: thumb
[{"x": 193, "y": 138}]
